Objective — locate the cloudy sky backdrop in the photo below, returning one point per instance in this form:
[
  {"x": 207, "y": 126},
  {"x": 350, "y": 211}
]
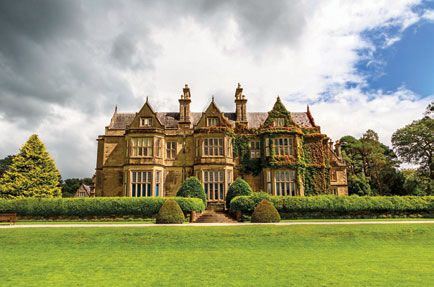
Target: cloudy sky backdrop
[{"x": 64, "y": 65}]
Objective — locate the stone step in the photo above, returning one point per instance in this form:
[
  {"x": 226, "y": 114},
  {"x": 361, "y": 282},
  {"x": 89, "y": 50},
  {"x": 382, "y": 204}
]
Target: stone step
[{"x": 211, "y": 216}]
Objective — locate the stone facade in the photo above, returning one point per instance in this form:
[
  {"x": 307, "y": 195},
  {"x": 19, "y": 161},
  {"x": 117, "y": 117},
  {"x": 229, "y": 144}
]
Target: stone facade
[{"x": 150, "y": 153}]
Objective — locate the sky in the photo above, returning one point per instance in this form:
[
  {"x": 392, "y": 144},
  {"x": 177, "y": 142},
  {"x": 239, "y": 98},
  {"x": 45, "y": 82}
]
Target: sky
[{"x": 65, "y": 65}]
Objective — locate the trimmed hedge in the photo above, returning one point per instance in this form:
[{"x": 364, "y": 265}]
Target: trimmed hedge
[
  {"x": 329, "y": 206},
  {"x": 144, "y": 207},
  {"x": 170, "y": 213},
  {"x": 192, "y": 187},
  {"x": 265, "y": 212},
  {"x": 237, "y": 188}
]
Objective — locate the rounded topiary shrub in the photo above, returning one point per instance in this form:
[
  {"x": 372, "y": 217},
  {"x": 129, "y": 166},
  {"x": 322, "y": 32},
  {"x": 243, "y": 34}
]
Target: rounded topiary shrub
[
  {"x": 237, "y": 188},
  {"x": 265, "y": 212},
  {"x": 192, "y": 187},
  {"x": 170, "y": 213}
]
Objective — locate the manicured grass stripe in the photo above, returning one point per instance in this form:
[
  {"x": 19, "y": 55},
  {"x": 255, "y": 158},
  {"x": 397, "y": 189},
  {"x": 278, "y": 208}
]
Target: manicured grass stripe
[{"x": 357, "y": 255}]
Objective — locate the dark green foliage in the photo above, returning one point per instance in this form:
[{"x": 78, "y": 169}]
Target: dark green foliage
[
  {"x": 192, "y": 187},
  {"x": 94, "y": 207},
  {"x": 170, "y": 213},
  {"x": 70, "y": 185},
  {"x": 238, "y": 187},
  {"x": 265, "y": 212},
  {"x": 32, "y": 173},
  {"x": 358, "y": 185},
  {"x": 328, "y": 206},
  {"x": 414, "y": 143},
  {"x": 373, "y": 163},
  {"x": 5, "y": 163}
]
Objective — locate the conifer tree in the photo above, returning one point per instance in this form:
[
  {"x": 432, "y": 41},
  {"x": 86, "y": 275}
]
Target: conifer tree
[{"x": 33, "y": 173}]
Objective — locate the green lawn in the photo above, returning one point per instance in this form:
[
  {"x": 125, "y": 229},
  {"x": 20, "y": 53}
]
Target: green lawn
[{"x": 356, "y": 255}]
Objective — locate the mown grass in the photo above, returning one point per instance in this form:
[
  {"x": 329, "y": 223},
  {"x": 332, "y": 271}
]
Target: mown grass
[{"x": 356, "y": 255}]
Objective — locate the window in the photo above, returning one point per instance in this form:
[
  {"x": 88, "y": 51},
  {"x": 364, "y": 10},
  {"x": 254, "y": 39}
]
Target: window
[
  {"x": 213, "y": 147},
  {"x": 267, "y": 147},
  {"x": 255, "y": 149},
  {"x": 157, "y": 182},
  {"x": 279, "y": 122},
  {"x": 285, "y": 182},
  {"x": 333, "y": 175},
  {"x": 334, "y": 190},
  {"x": 170, "y": 150},
  {"x": 141, "y": 147},
  {"x": 158, "y": 147},
  {"x": 229, "y": 177},
  {"x": 213, "y": 182},
  {"x": 283, "y": 146},
  {"x": 145, "y": 122},
  {"x": 210, "y": 122},
  {"x": 268, "y": 175},
  {"x": 141, "y": 183}
]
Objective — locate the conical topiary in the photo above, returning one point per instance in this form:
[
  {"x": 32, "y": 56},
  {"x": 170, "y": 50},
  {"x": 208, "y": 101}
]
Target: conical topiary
[
  {"x": 32, "y": 173},
  {"x": 192, "y": 187},
  {"x": 237, "y": 188},
  {"x": 170, "y": 213},
  {"x": 265, "y": 212}
]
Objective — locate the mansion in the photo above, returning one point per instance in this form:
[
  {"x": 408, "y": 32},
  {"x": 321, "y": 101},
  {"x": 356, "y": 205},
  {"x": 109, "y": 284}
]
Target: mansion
[{"x": 281, "y": 152}]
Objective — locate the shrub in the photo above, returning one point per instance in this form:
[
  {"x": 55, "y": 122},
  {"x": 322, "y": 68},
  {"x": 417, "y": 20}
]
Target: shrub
[
  {"x": 237, "y": 188},
  {"x": 192, "y": 187},
  {"x": 265, "y": 212},
  {"x": 340, "y": 206},
  {"x": 144, "y": 207},
  {"x": 170, "y": 213}
]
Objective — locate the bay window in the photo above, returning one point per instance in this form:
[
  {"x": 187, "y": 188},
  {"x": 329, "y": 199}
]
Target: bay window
[
  {"x": 142, "y": 147},
  {"x": 285, "y": 182},
  {"x": 213, "y": 181}
]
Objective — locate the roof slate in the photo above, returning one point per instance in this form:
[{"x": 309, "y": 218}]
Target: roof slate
[{"x": 171, "y": 119}]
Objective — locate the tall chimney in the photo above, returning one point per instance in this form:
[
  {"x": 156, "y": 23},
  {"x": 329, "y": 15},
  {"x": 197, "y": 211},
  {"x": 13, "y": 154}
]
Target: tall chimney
[
  {"x": 184, "y": 107},
  {"x": 241, "y": 104}
]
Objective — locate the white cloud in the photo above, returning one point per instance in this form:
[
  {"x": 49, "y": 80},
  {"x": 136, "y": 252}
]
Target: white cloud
[{"x": 154, "y": 50}]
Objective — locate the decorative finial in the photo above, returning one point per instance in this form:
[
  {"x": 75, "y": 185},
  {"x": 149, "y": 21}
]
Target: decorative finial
[
  {"x": 212, "y": 98},
  {"x": 239, "y": 85},
  {"x": 116, "y": 109},
  {"x": 146, "y": 98},
  {"x": 308, "y": 110},
  {"x": 186, "y": 86},
  {"x": 278, "y": 97}
]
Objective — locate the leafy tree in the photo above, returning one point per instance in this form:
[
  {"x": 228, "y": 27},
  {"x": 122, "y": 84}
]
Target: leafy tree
[
  {"x": 70, "y": 185},
  {"x": 414, "y": 143},
  {"x": 32, "y": 173},
  {"x": 371, "y": 164},
  {"x": 192, "y": 187},
  {"x": 358, "y": 185},
  {"x": 238, "y": 187},
  {"x": 417, "y": 183},
  {"x": 5, "y": 163}
]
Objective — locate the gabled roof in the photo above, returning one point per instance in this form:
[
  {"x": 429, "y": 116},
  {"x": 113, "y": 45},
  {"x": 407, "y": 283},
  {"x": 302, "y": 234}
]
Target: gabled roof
[{"x": 169, "y": 120}]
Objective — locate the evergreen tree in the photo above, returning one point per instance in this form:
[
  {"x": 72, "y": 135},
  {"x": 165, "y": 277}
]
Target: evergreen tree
[{"x": 32, "y": 173}]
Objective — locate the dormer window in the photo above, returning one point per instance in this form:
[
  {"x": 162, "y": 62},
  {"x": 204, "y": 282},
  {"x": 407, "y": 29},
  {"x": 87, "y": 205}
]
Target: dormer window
[
  {"x": 145, "y": 122},
  {"x": 212, "y": 121},
  {"x": 279, "y": 122}
]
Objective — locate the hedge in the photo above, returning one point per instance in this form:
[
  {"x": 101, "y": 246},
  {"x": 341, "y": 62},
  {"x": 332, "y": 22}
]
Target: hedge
[
  {"x": 329, "y": 206},
  {"x": 145, "y": 207}
]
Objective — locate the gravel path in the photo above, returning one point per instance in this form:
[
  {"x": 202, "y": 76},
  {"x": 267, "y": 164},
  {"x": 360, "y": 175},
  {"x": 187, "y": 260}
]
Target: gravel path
[{"x": 84, "y": 225}]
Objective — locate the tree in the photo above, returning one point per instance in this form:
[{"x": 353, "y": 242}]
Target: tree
[
  {"x": 192, "y": 187},
  {"x": 414, "y": 144},
  {"x": 32, "y": 173},
  {"x": 238, "y": 187},
  {"x": 70, "y": 185},
  {"x": 5, "y": 163},
  {"x": 372, "y": 166}
]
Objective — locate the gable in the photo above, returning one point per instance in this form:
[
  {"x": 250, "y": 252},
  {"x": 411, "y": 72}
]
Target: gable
[
  {"x": 211, "y": 114},
  {"x": 146, "y": 118},
  {"x": 279, "y": 116}
]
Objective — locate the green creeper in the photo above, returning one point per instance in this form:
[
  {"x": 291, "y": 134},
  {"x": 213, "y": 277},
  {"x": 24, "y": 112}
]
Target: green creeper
[{"x": 33, "y": 173}]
